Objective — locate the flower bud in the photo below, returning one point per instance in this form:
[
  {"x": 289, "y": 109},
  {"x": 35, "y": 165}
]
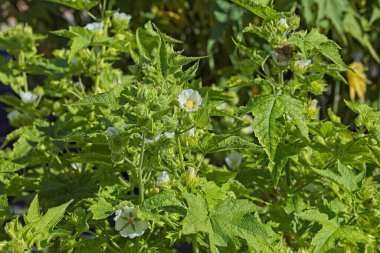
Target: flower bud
[
  {"x": 282, "y": 55},
  {"x": 113, "y": 132},
  {"x": 162, "y": 178},
  {"x": 121, "y": 20},
  {"x": 301, "y": 66},
  {"x": 283, "y": 24}
]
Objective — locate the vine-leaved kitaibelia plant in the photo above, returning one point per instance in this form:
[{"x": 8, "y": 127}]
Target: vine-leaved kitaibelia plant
[{"x": 119, "y": 148}]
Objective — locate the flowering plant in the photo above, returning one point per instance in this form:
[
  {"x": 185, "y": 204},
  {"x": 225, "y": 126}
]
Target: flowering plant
[{"x": 121, "y": 148}]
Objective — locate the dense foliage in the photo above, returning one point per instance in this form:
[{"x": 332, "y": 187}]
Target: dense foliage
[{"x": 121, "y": 143}]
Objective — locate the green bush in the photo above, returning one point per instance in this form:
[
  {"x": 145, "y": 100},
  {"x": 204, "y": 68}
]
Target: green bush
[{"x": 124, "y": 144}]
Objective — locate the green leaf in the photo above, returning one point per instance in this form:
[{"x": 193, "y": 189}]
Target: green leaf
[
  {"x": 326, "y": 237},
  {"x": 331, "y": 50},
  {"x": 197, "y": 219},
  {"x": 82, "y": 5},
  {"x": 284, "y": 152},
  {"x": 267, "y": 110},
  {"x": 8, "y": 166},
  {"x": 346, "y": 177},
  {"x": 313, "y": 215},
  {"x": 258, "y": 7},
  {"x": 109, "y": 99},
  {"x": 101, "y": 209},
  {"x": 40, "y": 229},
  {"x": 163, "y": 56},
  {"x": 224, "y": 142},
  {"x": 295, "y": 109},
  {"x": 165, "y": 200},
  {"x": 256, "y": 55},
  {"x": 33, "y": 214},
  {"x": 331, "y": 232},
  {"x": 368, "y": 117},
  {"x": 228, "y": 221}
]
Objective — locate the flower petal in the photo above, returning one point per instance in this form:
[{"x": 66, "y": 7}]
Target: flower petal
[
  {"x": 120, "y": 223},
  {"x": 140, "y": 227},
  {"x": 128, "y": 232}
]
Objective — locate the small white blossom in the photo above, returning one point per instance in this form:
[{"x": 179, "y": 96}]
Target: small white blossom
[
  {"x": 191, "y": 132},
  {"x": 155, "y": 139},
  {"x": 76, "y": 166},
  {"x": 13, "y": 115},
  {"x": 113, "y": 132},
  {"x": 222, "y": 106},
  {"x": 28, "y": 97},
  {"x": 162, "y": 178},
  {"x": 190, "y": 100},
  {"x": 301, "y": 65},
  {"x": 313, "y": 110},
  {"x": 284, "y": 23},
  {"x": 191, "y": 171},
  {"x": 233, "y": 160},
  {"x": 314, "y": 103},
  {"x": 121, "y": 16},
  {"x": 95, "y": 27},
  {"x": 127, "y": 223},
  {"x": 248, "y": 129},
  {"x": 169, "y": 135}
]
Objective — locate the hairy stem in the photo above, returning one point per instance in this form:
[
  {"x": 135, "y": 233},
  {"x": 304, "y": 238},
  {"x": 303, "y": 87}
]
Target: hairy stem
[
  {"x": 281, "y": 78},
  {"x": 195, "y": 244},
  {"x": 336, "y": 97},
  {"x": 140, "y": 171},
  {"x": 180, "y": 152}
]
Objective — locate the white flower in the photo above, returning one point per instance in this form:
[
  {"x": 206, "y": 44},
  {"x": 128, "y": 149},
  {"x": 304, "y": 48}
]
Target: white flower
[
  {"x": 191, "y": 132},
  {"x": 313, "y": 110},
  {"x": 249, "y": 129},
  {"x": 222, "y": 106},
  {"x": 95, "y": 27},
  {"x": 314, "y": 104},
  {"x": 13, "y": 115},
  {"x": 301, "y": 65},
  {"x": 113, "y": 132},
  {"x": 190, "y": 100},
  {"x": 121, "y": 16},
  {"x": 284, "y": 23},
  {"x": 191, "y": 171},
  {"x": 162, "y": 178},
  {"x": 233, "y": 160},
  {"x": 169, "y": 135},
  {"x": 28, "y": 97},
  {"x": 155, "y": 139},
  {"x": 127, "y": 223},
  {"x": 76, "y": 166}
]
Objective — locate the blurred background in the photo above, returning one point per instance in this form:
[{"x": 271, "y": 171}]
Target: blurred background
[{"x": 207, "y": 27}]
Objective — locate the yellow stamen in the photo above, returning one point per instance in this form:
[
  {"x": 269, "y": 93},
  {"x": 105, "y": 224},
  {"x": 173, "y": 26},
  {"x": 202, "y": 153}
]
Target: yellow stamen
[{"x": 189, "y": 103}]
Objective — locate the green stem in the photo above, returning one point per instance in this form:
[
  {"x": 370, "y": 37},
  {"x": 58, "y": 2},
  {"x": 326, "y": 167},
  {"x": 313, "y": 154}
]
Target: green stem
[
  {"x": 140, "y": 171},
  {"x": 378, "y": 98},
  {"x": 97, "y": 80},
  {"x": 137, "y": 243},
  {"x": 281, "y": 78},
  {"x": 336, "y": 97},
  {"x": 200, "y": 163},
  {"x": 180, "y": 152},
  {"x": 288, "y": 176},
  {"x": 195, "y": 244}
]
